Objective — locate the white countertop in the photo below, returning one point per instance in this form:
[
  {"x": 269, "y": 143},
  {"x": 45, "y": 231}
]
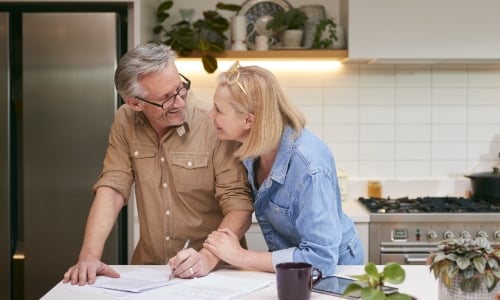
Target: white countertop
[{"x": 419, "y": 283}]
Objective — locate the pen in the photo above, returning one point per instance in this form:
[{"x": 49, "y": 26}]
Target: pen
[{"x": 186, "y": 245}]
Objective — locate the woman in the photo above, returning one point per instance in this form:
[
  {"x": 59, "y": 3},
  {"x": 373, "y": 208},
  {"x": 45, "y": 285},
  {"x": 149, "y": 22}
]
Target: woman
[{"x": 292, "y": 175}]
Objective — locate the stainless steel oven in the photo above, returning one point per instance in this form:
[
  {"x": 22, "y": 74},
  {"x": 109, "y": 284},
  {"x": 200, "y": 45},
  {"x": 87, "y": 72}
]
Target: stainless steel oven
[{"x": 408, "y": 236}]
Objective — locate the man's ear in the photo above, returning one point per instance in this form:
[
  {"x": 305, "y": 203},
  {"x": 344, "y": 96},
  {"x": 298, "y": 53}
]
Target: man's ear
[
  {"x": 249, "y": 120},
  {"x": 134, "y": 103}
]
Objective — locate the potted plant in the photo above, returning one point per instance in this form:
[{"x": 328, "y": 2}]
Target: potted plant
[
  {"x": 324, "y": 35},
  {"x": 206, "y": 35},
  {"x": 370, "y": 285},
  {"x": 466, "y": 268},
  {"x": 289, "y": 25}
]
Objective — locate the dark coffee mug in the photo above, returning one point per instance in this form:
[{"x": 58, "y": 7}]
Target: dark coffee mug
[{"x": 294, "y": 280}]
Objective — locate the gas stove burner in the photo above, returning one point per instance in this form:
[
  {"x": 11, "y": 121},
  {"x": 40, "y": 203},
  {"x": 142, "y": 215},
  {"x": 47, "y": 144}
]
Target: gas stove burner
[{"x": 431, "y": 205}]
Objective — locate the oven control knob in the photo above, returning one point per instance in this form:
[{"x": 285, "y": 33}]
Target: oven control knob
[
  {"x": 496, "y": 235},
  {"x": 431, "y": 235},
  {"x": 465, "y": 235},
  {"x": 482, "y": 234},
  {"x": 448, "y": 235}
]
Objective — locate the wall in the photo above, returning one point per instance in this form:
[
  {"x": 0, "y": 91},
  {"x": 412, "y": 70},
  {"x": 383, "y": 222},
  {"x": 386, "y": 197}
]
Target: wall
[{"x": 399, "y": 120}]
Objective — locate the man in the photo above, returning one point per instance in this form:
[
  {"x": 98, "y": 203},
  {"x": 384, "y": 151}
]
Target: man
[{"x": 187, "y": 183}]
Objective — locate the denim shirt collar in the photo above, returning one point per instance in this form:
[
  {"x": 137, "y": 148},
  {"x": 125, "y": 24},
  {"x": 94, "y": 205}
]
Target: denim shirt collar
[{"x": 280, "y": 165}]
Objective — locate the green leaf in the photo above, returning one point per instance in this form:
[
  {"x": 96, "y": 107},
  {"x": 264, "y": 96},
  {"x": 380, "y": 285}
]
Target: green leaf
[
  {"x": 229, "y": 7},
  {"x": 372, "y": 294},
  {"x": 398, "y": 296},
  {"x": 351, "y": 288},
  {"x": 394, "y": 273},
  {"x": 209, "y": 63}
]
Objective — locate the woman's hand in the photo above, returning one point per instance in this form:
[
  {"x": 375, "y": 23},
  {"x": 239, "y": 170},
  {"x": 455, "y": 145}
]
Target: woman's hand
[{"x": 224, "y": 244}]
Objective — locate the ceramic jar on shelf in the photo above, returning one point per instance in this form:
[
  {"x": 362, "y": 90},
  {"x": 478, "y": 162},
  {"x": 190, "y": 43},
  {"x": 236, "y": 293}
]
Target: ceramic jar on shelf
[{"x": 314, "y": 13}]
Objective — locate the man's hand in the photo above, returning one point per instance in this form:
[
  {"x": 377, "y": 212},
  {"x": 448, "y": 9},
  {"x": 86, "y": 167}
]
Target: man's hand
[
  {"x": 189, "y": 263},
  {"x": 86, "y": 270}
]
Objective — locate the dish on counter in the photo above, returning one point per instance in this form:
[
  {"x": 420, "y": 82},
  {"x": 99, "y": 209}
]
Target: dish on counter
[{"x": 258, "y": 13}]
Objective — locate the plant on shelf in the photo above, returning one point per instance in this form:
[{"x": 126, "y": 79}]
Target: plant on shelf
[
  {"x": 369, "y": 285},
  {"x": 206, "y": 35},
  {"x": 324, "y": 35},
  {"x": 287, "y": 22},
  {"x": 470, "y": 263}
]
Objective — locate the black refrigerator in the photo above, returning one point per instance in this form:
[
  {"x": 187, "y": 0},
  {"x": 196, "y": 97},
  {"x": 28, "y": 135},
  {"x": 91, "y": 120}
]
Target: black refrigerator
[{"x": 57, "y": 102}]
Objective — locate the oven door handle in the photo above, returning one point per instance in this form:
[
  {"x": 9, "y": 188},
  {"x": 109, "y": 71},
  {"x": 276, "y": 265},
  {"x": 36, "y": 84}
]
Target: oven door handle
[{"x": 415, "y": 260}]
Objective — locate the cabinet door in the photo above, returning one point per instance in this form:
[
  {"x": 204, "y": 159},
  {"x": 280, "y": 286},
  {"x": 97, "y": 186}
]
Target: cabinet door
[{"x": 424, "y": 29}]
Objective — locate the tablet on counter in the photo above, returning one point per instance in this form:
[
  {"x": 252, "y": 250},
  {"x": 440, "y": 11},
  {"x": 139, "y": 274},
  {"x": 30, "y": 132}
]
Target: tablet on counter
[{"x": 335, "y": 285}]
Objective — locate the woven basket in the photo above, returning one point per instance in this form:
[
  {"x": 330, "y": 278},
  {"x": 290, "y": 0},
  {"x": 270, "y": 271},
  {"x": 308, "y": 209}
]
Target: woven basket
[{"x": 455, "y": 293}]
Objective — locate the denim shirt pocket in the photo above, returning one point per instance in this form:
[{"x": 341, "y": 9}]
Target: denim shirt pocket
[
  {"x": 144, "y": 160},
  {"x": 281, "y": 217}
]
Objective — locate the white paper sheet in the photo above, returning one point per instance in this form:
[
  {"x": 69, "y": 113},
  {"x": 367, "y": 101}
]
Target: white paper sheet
[
  {"x": 136, "y": 281},
  {"x": 217, "y": 287}
]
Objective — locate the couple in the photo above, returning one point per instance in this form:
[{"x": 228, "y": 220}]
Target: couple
[{"x": 291, "y": 174}]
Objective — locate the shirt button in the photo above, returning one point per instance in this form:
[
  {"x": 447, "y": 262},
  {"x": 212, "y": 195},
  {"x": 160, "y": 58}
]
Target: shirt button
[
  {"x": 164, "y": 184},
  {"x": 136, "y": 152},
  {"x": 189, "y": 164},
  {"x": 162, "y": 159},
  {"x": 167, "y": 212},
  {"x": 167, "y": 238}
]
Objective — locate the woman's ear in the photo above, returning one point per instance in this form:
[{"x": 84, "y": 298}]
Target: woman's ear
[
  {"x": 249, "y": 120},
  {"x": 134, "y": 103}
]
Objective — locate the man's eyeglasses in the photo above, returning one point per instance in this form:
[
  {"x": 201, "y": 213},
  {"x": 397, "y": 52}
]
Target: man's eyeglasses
[{"x": 181, "y": 92}]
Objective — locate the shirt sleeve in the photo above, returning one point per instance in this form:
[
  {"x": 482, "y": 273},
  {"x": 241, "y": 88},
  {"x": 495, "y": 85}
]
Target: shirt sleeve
[{"x": 231, "y": 185}]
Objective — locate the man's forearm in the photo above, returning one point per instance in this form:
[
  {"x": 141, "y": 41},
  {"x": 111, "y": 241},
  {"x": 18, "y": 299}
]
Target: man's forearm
[{"x": 102, "y": 217}]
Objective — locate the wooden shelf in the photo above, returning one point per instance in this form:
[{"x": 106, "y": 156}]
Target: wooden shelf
[{"x": 281, "y": 54}]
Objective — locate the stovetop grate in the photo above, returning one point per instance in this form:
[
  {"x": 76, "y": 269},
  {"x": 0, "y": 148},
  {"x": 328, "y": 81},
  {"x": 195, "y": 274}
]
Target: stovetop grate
[{"x": 431, "y": 205}]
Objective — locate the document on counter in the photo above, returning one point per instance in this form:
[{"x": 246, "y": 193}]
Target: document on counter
[
  {"x": 136, "y": 281},
  {"x": 217, "y": 287}
]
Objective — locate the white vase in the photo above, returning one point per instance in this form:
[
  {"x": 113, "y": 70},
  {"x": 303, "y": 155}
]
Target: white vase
[
  {"x": 292, "y": 38},
  {"x": 455, "y": 293}
]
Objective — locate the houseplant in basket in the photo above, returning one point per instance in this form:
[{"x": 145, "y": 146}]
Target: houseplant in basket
[
  {"x": 205, "y": 36},
  {"x": 467, "y": 268},
  {"x": 369, "y": 285},
  {"x": 289, "y": 25}
]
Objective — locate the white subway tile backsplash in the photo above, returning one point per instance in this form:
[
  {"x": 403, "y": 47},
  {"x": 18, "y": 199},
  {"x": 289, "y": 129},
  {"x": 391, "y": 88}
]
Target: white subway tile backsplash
[
  {"x": 449, "y": 133},
  {"x": 484, "y": 76},
  {"x": 341, "y": 96},
  {"x": 377, "y": 76},
  {"x": 413, "y": 96},
  {"x": 400, "y": 121},
  {"x": 376, "y": 133},
  {"x": 413, "y": 133},
  {"x": 449, "y": 96},
  {"x": 341, "y": 132},
  {"x": 483, "y": 133},
  {"x": 341, "y": 114},
  {"x": 449, "y": 114},
  {"x": 413, "y": 114},
  {"x": 484, "y": 115},
  {"x": 377, "y": 114},
  {"x": 374, "y": 151},
  {"x": 377, "y": 96},
  {"x": 412, "y": 151},
  {"x": 449, "y": 75},
  {"x": 449, "y": 151},
  {"x": 484, "y": 96},
  {"x": 413, "y": 75}
]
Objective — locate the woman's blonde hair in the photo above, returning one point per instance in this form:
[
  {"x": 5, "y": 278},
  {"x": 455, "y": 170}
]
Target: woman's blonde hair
[{"x": 256, "y": 90}]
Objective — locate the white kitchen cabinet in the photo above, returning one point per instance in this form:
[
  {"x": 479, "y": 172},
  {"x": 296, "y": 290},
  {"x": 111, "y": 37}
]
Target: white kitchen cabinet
[{"x": 424, "y": 30}]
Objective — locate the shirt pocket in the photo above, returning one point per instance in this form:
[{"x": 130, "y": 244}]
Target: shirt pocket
[
  {"x": 280, "y": 217},
  {"x": 190, "y": 170},
  {"x": 144, "y": 160}
]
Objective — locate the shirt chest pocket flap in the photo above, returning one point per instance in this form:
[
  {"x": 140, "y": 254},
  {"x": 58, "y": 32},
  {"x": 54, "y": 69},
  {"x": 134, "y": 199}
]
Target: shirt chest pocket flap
[{"x": 190, "y": 162}]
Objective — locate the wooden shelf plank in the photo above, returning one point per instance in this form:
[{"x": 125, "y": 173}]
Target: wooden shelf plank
[{"x": 281, "y": 54}]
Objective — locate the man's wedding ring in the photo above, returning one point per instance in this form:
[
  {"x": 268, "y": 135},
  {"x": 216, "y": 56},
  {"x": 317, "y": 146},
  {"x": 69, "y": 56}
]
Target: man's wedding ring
[{"x": 191, "y": 270}]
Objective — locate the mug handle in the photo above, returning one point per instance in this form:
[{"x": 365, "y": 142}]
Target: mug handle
[{"x": 320, "y": 275}]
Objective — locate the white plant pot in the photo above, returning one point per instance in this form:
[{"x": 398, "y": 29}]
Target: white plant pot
[
  {"x": 455, "y": 293},
  {"x": 292, "y": 38}
]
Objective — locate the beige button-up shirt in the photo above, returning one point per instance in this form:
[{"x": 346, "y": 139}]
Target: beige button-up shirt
[{"x": 185, "y": 182}]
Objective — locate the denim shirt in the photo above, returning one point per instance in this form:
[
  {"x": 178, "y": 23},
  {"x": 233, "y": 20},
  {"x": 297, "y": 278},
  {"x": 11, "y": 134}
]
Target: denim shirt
[{"x": 299, "y": 209}]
